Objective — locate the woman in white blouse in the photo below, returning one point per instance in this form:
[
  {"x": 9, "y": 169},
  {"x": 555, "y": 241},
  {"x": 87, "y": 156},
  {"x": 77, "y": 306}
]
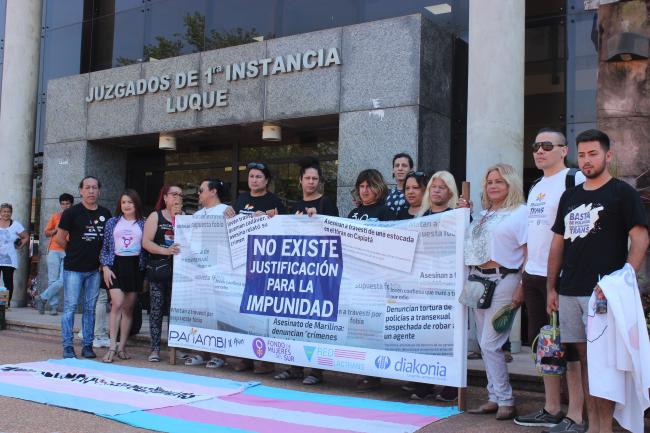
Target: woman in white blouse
[{"x": 495, "y": 250}]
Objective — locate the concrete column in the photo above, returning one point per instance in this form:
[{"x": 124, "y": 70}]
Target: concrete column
[
  {"x": 495, "y": 90},
  {"x": 495, "y": 96},
  {"x": 18, "y": 115}
]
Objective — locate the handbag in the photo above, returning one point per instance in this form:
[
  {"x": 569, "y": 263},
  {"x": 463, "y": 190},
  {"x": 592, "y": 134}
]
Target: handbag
[
  {"x": 549, "y": 355},
  {"x": 477, "y": 292},
  {"x": 159, "y": 270}
]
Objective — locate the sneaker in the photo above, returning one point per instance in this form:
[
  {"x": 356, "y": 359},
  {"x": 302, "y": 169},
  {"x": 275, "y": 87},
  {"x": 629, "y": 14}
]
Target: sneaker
[
  {"x": 87, "y": 352},
  {"x": 68, "y": 352},
  {"x": 540, "y": 418},
  {"x": 40, "y": 304},
  {"x": 567, "y": 425},
  {"x": 101, "y": 342}
]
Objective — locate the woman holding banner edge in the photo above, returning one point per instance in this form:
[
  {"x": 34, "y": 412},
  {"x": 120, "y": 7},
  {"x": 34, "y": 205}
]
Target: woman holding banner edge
[
  {"x": 158, "y": 240},
  {"x": 313, "y": 202},
  {"x": 495, "y": 249}
]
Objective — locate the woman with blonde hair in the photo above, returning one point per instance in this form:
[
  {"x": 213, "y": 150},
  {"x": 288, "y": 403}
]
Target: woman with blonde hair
[
  {"x": 495, "y": 250},
  {"x": 440, "y": 194}
]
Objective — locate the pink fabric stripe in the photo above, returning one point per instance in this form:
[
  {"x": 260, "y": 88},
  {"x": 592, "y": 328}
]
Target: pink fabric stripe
[
  {"x": 119, "y": 377},
  {"x": 261, "y": 425},
  {"x": 124, "y": 397},
  {"x": 332, "y": 410}
]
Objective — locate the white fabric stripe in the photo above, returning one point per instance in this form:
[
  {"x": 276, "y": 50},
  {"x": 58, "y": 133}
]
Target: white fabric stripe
[{"x": 305, "y": 418}]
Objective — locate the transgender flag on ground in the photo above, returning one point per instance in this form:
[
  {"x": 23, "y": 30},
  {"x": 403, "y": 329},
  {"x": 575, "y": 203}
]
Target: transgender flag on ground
[{"x": 180, "y": 403}]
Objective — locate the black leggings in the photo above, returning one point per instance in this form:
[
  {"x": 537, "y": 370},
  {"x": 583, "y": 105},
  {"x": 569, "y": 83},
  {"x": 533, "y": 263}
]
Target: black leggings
[{"x": 8, "y": 279}]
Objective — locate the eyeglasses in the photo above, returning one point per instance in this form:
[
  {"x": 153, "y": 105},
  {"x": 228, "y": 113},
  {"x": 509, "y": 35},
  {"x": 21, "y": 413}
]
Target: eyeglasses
[
  {"x": 175, "y": 194},
  {"x": 546, "y": 145},
  {"x": 257, "y": 165}
]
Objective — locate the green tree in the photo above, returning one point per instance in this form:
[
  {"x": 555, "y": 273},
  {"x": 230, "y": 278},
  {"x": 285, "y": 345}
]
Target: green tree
[{"x": 195, "y": 37}]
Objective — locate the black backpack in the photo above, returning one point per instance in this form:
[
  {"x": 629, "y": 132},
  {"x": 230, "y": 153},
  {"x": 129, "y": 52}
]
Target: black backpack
[{"x": 569, "y": 181}]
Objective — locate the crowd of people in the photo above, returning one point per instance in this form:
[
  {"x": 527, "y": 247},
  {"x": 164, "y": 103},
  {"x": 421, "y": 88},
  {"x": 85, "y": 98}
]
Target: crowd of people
[{"x": 574, "y": 225}]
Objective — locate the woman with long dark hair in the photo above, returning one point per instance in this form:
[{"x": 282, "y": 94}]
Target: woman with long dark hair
[
  {"x": 158, "y": 240},
  {"x": 123, "y": 261},
  {"x": 414, "y": 186}
]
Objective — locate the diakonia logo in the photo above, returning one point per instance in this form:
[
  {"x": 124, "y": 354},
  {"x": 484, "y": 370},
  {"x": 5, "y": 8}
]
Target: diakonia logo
[
  {"x": 259, "y": 347},
  {"x": 382, "y": 362},
  {"x": 309, "y": 351},
  {"x": 541, "y": 196}
]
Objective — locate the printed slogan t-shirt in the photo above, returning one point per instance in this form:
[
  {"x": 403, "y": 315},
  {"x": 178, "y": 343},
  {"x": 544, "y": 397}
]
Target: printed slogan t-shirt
[
  {"x": 86, "y": 234},
  {"x": 247, "y": 204},
  {"x": 127, "y": 237},
  {"x": 595, "y": 226}
]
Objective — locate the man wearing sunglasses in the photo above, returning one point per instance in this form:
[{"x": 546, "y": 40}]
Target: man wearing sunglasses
[{"x": 549, "y": 151}]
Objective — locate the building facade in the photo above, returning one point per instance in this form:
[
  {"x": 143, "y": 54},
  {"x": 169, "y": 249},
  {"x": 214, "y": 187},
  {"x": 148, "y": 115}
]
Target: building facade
[{"x": 392, "y": 77}]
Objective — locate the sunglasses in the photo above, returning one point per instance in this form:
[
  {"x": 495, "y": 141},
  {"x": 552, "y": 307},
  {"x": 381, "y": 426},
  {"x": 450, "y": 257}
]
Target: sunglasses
[
  {"x": 257, "y": 165},
  {"x": 546, "y": 145},
  {"x": 416, "y": 174}
]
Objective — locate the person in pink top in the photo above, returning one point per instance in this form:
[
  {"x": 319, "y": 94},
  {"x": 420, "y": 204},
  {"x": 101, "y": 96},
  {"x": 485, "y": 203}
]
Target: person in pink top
[{"x": 123, "y": 261}]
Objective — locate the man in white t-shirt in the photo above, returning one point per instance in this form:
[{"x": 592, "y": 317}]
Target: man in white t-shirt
[
  {"x": 549, "y": 152},
  {"x": 211, "y": 192}
]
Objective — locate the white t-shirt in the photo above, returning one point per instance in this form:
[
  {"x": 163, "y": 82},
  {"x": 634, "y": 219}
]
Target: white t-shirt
[
  {"x": 8, "y": 254},
  {"x": 543, "y": 201},
  {"x": 500, "y": 236},
  {"x": 217, "y": 210}
]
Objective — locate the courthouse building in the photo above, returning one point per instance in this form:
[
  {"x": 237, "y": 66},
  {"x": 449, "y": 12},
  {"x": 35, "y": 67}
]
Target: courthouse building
[{"x": 142, "y": 93}]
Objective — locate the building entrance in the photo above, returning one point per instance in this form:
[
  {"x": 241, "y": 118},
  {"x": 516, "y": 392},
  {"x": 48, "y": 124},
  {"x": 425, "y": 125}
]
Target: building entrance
[{"x": 224, "y": 153}]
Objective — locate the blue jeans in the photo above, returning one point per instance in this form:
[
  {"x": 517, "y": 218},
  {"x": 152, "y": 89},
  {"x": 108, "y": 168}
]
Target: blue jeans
[
  {"x": 73, "y": 282},
  {"x": 51, "y": 295}
]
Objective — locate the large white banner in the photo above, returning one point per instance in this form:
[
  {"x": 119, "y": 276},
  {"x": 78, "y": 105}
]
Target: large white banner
[{"x": 379, "y": 299}]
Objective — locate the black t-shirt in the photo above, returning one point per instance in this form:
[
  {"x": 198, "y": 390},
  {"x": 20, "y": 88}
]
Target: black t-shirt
[
  {"x": 595, "y": 226},
  {"x": 247, "y": 204},
  {"x": 404, "y": 214},
  {"x": 323, "y": 205},
  {"x": 86, "y": 228},
  {"x": 164, "y": 236},
  {"x": 374, "y": 212},
  {"x": 430, "y": 212}
]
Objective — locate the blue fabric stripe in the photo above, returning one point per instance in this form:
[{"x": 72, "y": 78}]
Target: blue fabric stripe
[
  {"x": 156, "y": 374},
  {"x": 65, "y": 400},
  {"x": 355, "y": 402},
  {"x": 165, "y": 424}
]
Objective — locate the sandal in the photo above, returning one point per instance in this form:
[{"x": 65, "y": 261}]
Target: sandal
[
  {"x": 123, "y": 355},
  {"x": 154, "y": 357},
  {"x": 507, "y": 355},
  {"x": 288, "y": 375},
  {"x": 108, "y": 358},
  {"x": 215, "y": 363},
  {"x": 474, "y": 355},
  {"x": 312, "y": 380},
  {"x": 194, "y": 360}
]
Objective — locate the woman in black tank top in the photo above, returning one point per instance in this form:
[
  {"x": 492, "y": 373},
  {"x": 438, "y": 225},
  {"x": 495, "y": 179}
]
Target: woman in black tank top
[{"x": 158, "y": 240}]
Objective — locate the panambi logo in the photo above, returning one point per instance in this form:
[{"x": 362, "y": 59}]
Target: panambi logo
[{"x": 382, "y": 362}]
